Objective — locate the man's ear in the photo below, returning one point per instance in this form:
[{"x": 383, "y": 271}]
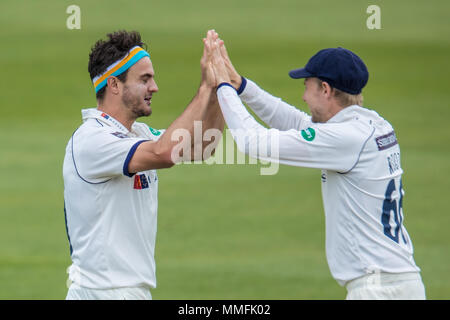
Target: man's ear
[
  {"x": 326, "y": 88},
  {"x": 113, "y": 85}
]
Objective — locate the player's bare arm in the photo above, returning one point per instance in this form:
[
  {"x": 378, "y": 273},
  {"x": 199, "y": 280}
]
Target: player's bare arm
[
  {"x": 212, "y": 117},
  {"x": 204, "y": 107}
]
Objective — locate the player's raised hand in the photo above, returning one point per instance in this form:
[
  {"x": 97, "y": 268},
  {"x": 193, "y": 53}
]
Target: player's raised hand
[
  {"x": 218, "y": 63},
  {"x": 233, "y": 74},
  {"x": 208, "y": 76}
]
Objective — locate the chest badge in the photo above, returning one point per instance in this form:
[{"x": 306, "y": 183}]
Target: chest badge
[
  {"x": 309, "y": 134},
  {"x": 140, "y": 181}
]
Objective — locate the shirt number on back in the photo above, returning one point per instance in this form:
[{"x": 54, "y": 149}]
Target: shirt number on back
[{"x": 391, "y": 206}]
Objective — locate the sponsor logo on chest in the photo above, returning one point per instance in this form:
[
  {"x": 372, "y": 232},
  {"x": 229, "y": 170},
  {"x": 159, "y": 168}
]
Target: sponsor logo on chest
[{"x": 142, "y": 181}]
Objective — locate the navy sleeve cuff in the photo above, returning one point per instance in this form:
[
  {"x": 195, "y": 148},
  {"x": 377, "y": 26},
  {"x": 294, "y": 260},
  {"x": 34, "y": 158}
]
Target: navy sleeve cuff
[
  {"x": 242, "y": 86},
  {"x": 224, "y": 84},
  {"x": 128, "y": 159}
]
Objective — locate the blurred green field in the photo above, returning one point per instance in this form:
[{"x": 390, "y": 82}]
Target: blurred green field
[{"x": 224, "y": 231}]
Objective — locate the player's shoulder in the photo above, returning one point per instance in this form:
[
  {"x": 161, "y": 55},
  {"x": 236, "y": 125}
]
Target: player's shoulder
[
  {"x": 362, "y": 122},
  {"x": 91, "y": 128},
  {"x": 368, "y": 115},
  {"x": 383, "y": 136},
  {"x": 375, "y": 121},
  {"x": 93, "y": 135},
  {"x": 351, "y": 125},
  {"x": 145, "y": 130}
]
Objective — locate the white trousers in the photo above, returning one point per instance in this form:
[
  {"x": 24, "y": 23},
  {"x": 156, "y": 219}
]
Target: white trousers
[
  {"x": 132, "y": 293},
  {"x": 387, "y": 286}
]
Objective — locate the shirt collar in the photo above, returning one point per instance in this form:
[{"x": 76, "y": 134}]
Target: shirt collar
[
  {"x": 345, "y": 114},
  {"x": 94, "y": 113}
]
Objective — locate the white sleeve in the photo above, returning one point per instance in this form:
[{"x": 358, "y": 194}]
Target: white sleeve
[
  {"x": 329, "y": 146},
  {"x": 99, "y": 154},
  {"x": 272, "y": 110}
]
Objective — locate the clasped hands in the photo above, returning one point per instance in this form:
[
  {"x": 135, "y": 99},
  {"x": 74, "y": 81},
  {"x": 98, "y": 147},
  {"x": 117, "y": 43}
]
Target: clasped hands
[{"x": 216, "y": 64}]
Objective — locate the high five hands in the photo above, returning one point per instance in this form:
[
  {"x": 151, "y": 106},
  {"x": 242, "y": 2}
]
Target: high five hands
[{"x": 216, "y": 64}]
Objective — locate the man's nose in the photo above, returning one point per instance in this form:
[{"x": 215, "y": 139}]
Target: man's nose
[{"x": 153, "y": 87}]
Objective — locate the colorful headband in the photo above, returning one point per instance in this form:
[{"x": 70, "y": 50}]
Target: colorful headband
[{"x": 134, "y": 55}]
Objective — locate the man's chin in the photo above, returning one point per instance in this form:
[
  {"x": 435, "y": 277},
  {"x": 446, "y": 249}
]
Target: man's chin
[
  {"x": 148, "y": 112},
  {"x": 315, "y": 120},
  {"x": 144, "y": 112}
]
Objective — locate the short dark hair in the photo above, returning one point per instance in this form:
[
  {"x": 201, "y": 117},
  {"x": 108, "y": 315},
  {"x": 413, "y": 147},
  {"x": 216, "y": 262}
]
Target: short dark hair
[{"x": 106, "y": 52}]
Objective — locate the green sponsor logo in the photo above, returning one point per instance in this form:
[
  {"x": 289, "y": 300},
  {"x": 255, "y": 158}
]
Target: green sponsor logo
[
  {"x": 308, "y": 134},
  {"x": 154, "y": 131}
]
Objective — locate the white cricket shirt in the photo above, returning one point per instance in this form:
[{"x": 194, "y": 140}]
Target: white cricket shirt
[
  {"x": 362, "y": 192},
  {"x": 111, "y": 215}
]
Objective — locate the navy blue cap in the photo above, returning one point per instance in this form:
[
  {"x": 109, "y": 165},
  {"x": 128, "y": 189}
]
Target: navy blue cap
[{"x": 339, "y": 67}]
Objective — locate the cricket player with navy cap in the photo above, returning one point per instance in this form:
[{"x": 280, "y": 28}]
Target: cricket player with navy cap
[{"x": 368, "y": 248}]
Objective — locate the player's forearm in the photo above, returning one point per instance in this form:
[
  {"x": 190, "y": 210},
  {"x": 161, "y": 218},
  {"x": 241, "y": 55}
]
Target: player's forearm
[
  {"x": 238, "y": 119},
  {"x": 251, "y": 138},
  {"x": 177, "y": 142},
  {"x": 180, "y": 136},
  {"x": 207, "y": 117},
  {"x": 213, "y": 122},
  {"x": 272, "y": 110},
  {"x": 213, "y": 117},
  {"x": 234, "y": 112}
]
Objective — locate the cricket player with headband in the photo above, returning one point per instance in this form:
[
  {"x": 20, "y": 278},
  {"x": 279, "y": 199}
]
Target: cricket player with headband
[
  {"x": 110, "y": 177},
  {"x": 368, "y": 248}
]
